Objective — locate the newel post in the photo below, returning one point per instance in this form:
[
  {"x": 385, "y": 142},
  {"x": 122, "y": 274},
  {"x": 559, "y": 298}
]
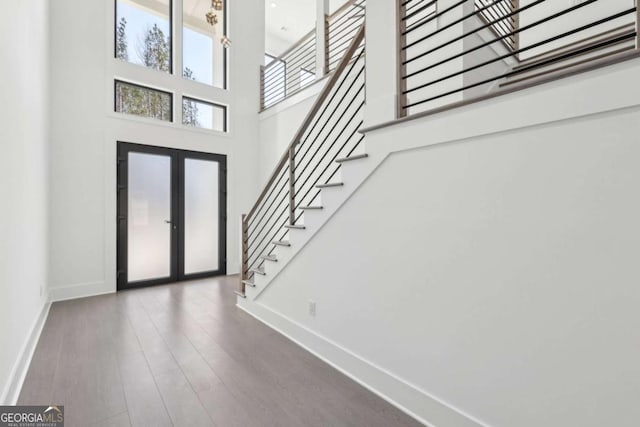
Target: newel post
[
  {"x": 381, "y": 35},
  {"x": 245, "y": 254},
  {"x": 322, "y": 37},
  {"x": 292, "y": 185}
]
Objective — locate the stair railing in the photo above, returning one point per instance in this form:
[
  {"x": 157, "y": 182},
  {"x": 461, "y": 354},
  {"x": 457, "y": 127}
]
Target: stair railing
[{"x": 328, "y": 132}]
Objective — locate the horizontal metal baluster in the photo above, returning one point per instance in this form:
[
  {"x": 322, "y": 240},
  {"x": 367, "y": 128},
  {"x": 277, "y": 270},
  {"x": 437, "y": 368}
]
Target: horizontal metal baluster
[
  {"x": 514, "y": 32},
  {"x": 568, "y": 33},
  {"x": 266, "y": 223},
  {"x": 524, "y": 49},
  {"x": 328, "y": 121},
  {"x": 459, "y": 21},
  {"x": 303, "y": 185},
  {"x": 327, "y": 105},
  {"x": 258, "y": 247},
  {"x": 275, "y": 185},
  {"x": 331, "y": 162},
  {"x": 329, "y": 134}
]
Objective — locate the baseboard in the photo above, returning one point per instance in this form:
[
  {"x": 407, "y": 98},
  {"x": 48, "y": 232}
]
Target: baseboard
[
  {"x": 420, "y": 405},
  {"x": 12, "y": 389},
  {"x": 80, "y": 290}
]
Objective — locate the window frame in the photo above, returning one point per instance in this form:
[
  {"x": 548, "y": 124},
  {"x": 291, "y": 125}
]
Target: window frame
[
  {"x": 225, "y": 108},
  {"x": 115, "y": 100},
  {"x": 171, "y": 38},
  {"x": 225, "y": 56}
]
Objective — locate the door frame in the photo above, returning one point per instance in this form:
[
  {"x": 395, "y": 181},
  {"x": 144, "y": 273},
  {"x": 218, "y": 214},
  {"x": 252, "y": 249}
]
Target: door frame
[{"x": 178, "y": 157}]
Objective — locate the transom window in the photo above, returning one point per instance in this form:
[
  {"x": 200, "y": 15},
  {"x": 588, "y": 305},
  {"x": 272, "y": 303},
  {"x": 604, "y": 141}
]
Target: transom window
[{"x": 143, "y": 101}]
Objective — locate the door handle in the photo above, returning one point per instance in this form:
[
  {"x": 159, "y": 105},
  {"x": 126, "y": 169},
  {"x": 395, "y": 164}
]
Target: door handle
[{"x": 171, "y": 222}]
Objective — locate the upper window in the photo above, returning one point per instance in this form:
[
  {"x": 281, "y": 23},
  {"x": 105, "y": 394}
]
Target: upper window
[
  {"x": 204, "y": 56},
  {"x": 202, "y": 114},
  {"x": 143, "y": 101},
  {"x": 143, "y": 33}
]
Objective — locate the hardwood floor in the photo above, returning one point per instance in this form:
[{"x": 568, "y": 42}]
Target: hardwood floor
[{"x": 183, "y": 354}]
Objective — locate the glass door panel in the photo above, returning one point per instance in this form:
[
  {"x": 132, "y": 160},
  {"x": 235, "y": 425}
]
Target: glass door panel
[
  {"x": 149, "y": 217},
  {"x": 201, "y": 216},
  {"x": 171, "y": 215}
]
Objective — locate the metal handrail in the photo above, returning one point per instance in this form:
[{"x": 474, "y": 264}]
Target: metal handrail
[{"x": 322, "y": 109}]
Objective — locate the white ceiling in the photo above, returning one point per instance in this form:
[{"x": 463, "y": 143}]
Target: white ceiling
[{"x": 290, "y": 20}]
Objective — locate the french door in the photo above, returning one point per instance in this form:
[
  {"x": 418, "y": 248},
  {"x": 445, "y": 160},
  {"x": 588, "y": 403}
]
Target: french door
[{"x": 171, "y": 215}]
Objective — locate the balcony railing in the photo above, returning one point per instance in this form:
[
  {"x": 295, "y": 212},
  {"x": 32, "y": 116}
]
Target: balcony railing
[
  {"x": 473, "y": 49},
  {"x": 290, "y": 72},
  {"x": 296, "y": 68}
]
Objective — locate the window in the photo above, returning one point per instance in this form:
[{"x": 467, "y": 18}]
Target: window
[
  {"x": 204, "y": 114},
  {"x": 204, "y": 55},
  {"x": 143, "y": 33},
  {"x": 143, "y": 101}
]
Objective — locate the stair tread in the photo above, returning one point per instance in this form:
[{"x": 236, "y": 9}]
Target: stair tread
[
  {"x": 249, "y": 283},
  {"x": 269, "y": 257},
  {"x": 310, "y": 207},
  {"x": 330, "y": 185},
  {"x": 350, "y": 158},
  {"x": 281, "y": 243},
  {"x": 295, "y": 227},
  {"x": 257, "y": 271}
]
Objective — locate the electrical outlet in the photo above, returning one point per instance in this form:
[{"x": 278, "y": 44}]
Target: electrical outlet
[{"x": 312, "y": 308}]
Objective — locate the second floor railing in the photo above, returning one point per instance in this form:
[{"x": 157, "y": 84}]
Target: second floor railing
[
  {"x": 297, "y": 67},
  {"x": 289, "y": 72},
  {"x": 453, "y": 52}
]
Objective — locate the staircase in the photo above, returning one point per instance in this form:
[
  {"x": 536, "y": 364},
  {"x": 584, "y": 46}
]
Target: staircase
[{"x": 311, "y": 179}]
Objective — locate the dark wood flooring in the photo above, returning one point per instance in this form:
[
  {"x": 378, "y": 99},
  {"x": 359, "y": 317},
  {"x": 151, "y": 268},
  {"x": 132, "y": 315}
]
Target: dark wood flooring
[{"x": 185, "y": 355}]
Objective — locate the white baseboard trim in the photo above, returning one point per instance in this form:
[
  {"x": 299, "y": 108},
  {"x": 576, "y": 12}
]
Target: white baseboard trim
[
  {"x": 12, "y": 389},
  {"x": 416, "y": 403},
  {"x": 79, "y": 290}
]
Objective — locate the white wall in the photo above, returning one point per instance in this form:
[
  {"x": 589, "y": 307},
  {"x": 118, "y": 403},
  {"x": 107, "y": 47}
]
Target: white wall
[
  {"x": 24, "y": 140},
  {"x": 85, "y": 131},
  {"x": 275, "y": 45},
  {"x": 487, "y": 266},
  {"x": 278, "y": 126}
]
